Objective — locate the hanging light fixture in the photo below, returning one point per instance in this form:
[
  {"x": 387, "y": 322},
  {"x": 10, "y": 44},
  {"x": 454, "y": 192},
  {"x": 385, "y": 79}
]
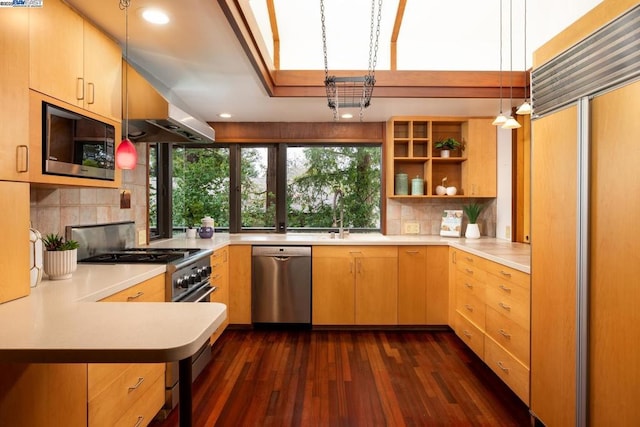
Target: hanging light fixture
[
  {"x": 126, "y": 154},
  {"x": 511, "y": 123},
  {"x": 352, "y": 92},
  {"x": 525, "y": 107},
  {"x": 500, "y": 118}
]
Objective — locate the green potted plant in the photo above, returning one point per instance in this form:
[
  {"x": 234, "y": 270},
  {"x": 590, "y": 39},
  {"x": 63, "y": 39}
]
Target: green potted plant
[
  {"x": 472, "y": 211},
  {"x": 60, "y": 258},
  {"x": 446, "y": 145}
]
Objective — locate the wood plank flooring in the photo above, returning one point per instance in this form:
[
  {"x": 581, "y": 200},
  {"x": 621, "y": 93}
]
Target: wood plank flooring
[{"x": 349, "y": 378}]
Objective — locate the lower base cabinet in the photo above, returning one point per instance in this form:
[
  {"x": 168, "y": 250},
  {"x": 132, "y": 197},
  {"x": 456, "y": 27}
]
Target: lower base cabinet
[
  {"x": 491, "y": 307},
  {"x": 220, "y": 281}
]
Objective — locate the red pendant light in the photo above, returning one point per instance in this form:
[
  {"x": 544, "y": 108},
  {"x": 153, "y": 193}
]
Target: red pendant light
[{"x": 126, "y": 154}]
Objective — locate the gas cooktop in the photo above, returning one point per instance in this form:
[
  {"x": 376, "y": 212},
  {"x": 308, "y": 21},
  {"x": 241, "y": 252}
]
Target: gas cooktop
[{"x": 142, "y": 256}]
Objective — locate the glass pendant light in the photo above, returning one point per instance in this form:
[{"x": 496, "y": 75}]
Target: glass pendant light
[
  {"x": 511, "y": 123},
  {"x": 500, "y": 118},
  {"x": 525, "y": 107},
  {"x": 126, "y": 154}
]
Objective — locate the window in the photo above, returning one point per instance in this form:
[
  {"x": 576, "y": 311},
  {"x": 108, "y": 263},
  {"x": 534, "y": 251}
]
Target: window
[{"x": 276, "y": 187}]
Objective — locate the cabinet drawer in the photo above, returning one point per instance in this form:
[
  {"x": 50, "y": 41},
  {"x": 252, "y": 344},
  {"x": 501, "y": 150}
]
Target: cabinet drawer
[
  {"x": 511, "y": 300},
  {"x": 356, "y": 251},
  {"x": 144, "y": 409},
  {"x": 113, "y": 389},
  {"x": 513, "y": 337},
  {"x": 469, "y": 260},
  {"x": 472, "y": 308},
  {"x": 508, "y": 368},
  {"x": 471, "y": 271},
  {"x": 151, "y": 290},
  {"x": 507, "y": 275},
  {"x": 468, "y": 285},
  {"x": 470, "y": 334}
]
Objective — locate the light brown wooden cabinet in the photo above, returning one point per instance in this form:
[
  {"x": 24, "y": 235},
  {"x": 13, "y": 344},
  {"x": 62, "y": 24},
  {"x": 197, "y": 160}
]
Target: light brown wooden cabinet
[
  {"x": 492, "y": 316},
  {"x": 220, "y": 280},
  {"x": 14, "y": 257},
  {"x": 239, "y": 309},
  {"x": 74, "y": 62},
  {"x": 410, "y": 150},
  {"x": 355, "y": 285},
  {"x": 423, "y": 290},
  {"x": 14, "y": 94}
]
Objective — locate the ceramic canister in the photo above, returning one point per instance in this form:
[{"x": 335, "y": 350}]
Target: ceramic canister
[
  {"x": 417, "y": 186},
  {"x": 402, "y": 184}
]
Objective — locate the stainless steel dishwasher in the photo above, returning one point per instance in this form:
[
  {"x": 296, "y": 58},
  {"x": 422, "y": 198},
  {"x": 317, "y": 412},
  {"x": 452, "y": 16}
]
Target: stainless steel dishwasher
[{"x": 281, "y": 285}]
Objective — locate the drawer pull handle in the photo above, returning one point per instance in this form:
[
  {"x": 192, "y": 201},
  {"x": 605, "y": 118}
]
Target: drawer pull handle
[
  {"x": 22, "y": 166},
  {"x": 504, "y": 368},
  {"x": 504, "y": 334},
  {"x": 139, "y": 421},
  {"x": 355, "y": 252},
  {"x": 136, "y": 385},
  {"x": 505, "y": 273},
  {"x": 217, "y": 276},
  {"x": 468, "y": 271},
  {"x": 468, "y": 285},
  {"x": 79, "y": 88},
  {"x": 504, "y": 288},
  {"x": 136, "y": 296},
  {"x": 468, "y": 259},
  {"x": 412, "y": 252},
  {"x": 505, "y": 306},
  {"x": 468, "y": 307},
  {"x": 466, "y": 333}
]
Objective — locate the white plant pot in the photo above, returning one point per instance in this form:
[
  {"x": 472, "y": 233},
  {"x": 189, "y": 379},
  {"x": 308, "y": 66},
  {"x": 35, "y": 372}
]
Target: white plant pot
[
  {"x": 191, "y": 233},
  {"x": 59, "y": 265},
  {"x": 445, "y": 153},
  {"x": 472, "y": 232}
]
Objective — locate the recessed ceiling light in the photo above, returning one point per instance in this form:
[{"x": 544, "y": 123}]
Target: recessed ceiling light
[
  {"x": 347, "y": 116},
  {"x": 224, "y": 115},
  {"x": 155, "y": 16}
]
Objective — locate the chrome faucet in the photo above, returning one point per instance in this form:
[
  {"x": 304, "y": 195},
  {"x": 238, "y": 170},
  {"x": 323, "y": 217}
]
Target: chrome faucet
[{"x": 340, "y": 194}]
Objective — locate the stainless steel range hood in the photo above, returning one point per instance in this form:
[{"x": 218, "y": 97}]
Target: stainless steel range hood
[{"x": 154, "y": 119}]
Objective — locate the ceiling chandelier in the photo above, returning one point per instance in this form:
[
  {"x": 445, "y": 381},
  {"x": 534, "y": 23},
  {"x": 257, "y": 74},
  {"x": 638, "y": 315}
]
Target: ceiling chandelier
[{"x": 354, "y": 91}]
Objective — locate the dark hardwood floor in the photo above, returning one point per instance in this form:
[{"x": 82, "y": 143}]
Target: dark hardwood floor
[{"x": 349, "y": 378}]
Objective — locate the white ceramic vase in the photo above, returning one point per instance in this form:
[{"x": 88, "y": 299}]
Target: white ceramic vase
[
  {"x": 445, "y": 153},
  {"x": 472, "y": 231},
  {"x": 59, "y": 265},
  {"x": 191, "y": 233}
]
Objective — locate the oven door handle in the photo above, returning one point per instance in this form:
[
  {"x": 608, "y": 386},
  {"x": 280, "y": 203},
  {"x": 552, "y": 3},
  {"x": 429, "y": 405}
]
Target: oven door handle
[{"x": 209, "y": 291}]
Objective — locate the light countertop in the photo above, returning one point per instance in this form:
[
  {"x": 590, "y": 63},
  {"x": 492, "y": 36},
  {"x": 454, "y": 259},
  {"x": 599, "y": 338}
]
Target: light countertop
[
  {"x": 514, "y": 255},
  {"x": 61, "y": 322}
]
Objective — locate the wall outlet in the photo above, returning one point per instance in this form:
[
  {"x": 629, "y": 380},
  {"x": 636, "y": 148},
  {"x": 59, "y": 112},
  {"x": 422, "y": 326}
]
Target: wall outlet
[
  {"x": 411, "y": 228},
  {"x": 142, "y": 237}
]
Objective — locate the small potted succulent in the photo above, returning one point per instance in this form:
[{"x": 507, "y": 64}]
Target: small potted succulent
[
  {"x": 473, "y": 212},
  {"x": 446, "y": 145},
  {"x": 60, "y": 257}
]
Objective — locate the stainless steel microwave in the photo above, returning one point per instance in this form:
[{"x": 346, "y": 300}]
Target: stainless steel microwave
[{"x": 76, "y": 145}]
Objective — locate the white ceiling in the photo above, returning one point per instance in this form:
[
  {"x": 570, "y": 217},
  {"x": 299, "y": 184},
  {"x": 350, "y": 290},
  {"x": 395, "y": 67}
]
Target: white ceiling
[{"x": 198, "y": 63}]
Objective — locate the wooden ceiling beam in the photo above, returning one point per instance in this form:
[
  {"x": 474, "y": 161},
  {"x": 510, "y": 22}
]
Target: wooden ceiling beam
[{"x": 394, "y": 35}]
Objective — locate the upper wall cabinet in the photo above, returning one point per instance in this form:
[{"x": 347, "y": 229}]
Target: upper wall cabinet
[
  {"x": 73, "y": 61},
  {"x": 411, "y": 150},
  {"x": 14, "y": 94}
]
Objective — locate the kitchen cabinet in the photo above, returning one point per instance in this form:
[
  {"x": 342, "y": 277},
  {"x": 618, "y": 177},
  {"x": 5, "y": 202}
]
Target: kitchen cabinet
[
  {"x": 410, "y": 150},
  {"x": 423, "y": 288},
  {"x": 14, "y": 94},
  {"x": 492, "y": 316},
  {"x": 133, "y": 393},
  {"x": 220, "y": 280},
  {"x": 239, "y": 310},
  {"x": 355, "y": 285},
  {"x": 14, "y": 256},
  {"x": 73, "y": 61}
]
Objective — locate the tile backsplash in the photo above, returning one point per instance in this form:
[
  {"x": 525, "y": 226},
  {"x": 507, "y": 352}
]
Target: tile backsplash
[
  {"x": 53, "y": 208},
  {"x": 428, "y": 214}
]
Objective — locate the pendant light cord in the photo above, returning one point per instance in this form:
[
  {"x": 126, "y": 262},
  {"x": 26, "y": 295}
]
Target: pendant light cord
[
  {"x": 526, "y": 74},
  {"x": 124, "y": 5},
  {"x": 510, "y": 55},
  {"x": 500, "y": 56}
]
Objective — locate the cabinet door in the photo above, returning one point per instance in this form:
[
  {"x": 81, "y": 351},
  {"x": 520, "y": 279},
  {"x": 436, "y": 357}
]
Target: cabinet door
[
  {"x": 479, "y": 172},
  {"x": 151, "y": 290},
  {"x": 240, "y": 285},
  {"x": 14, "y": 258},
  {"x": 220, "y": 280},
  {"x": 376, "y": 292},
  {"x": 412, "y": 285},
  {"x": 437, "y": 285},
  {"x": 14, "y": 94},
  {"x": 56, "y": 52},
  {"x": 333, "y": 279},
  {"x": 102, "y": 74}
]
